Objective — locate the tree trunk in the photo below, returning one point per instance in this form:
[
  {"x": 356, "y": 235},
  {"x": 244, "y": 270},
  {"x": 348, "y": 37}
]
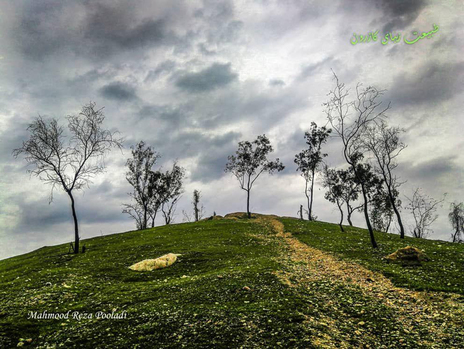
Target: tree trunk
[
  {"x": 145, "y": 218},
  {"x": 389, "y": 223},
  {"x": 397, "y": 213},
  {"x": 248, "y": 203},
  {"x": 366, "y": 213},
  {"x": 349, "y": 214},
  {"x": 153, "y": 220},
  {"x": 301, "y": 212},
  {"x": 366, "y": 216},
  {"x": 341, "y": 217},
  {"x": 307, "y": 199},
  {"x": 310, "y": 214},
  {"x": 76, "y": 227},
  {"x": 388, "y": 183}
]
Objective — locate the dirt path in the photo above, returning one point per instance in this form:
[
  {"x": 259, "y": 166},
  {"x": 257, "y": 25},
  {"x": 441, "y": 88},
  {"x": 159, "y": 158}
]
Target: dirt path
[{"x": 438, "y": 318}]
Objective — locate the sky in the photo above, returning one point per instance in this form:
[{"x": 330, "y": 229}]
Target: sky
[{"x": 193, "y": 78}]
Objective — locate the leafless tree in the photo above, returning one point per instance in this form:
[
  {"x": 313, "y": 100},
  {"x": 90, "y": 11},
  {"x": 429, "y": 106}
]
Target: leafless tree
[
  {"x": 349, "y": 121},
  {"x": 385, "y": 145},
  {"x": 187, "y": 217},
  {"x": 72, "y": 164},
  {"x": 423, "y": 209},
  {"x": 250, "y": 162},
  {"x": 456, "y": 218},
  {"x": 137, "y": 213}
]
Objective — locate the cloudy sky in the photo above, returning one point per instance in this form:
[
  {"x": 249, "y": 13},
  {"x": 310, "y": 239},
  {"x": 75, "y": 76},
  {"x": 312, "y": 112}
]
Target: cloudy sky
[{"x": 193, "y": 78}]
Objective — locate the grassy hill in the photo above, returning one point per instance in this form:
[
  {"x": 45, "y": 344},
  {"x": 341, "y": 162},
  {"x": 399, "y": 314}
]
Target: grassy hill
[{"x": 263, "y": 282}]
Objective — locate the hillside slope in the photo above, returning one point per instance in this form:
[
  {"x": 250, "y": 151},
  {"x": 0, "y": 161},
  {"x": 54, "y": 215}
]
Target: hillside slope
[{"x": 263, "y": 282}]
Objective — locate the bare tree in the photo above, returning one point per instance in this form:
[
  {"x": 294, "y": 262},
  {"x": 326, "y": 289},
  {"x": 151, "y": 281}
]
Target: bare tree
[
  {"x": 250, "y": 162},
  {"x": 456, "y": 218},
  {"x": 171, "y": 192},
  {"x": 349, "y": 120},
  {"x": 69, "y": 165},
  {"x": 187, "y": 217},
  {"x": 139, "y": 176},
  {"x": 137, "y": 213},
  {"x": 423, "y": 209},
  {"x": 310, "y": 159},
  {"x": 384, "y": 143}
]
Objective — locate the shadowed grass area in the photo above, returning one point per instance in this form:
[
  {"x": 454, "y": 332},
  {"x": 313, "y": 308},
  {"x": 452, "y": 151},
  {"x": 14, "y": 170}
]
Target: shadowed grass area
[{"x": 444, "y": 271}]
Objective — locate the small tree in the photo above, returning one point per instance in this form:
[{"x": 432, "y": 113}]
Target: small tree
[
  {"x": 198, "y": 210},
  {"x": 69, "y": 165},
  {"x": 139, "y": 176},
  {"x": 384, "y": 143},
  {"x": 423, "y": 209},
  {"x": 250, "y": 162},
  {"x": 172, "y": 190},
  {"x": 456, "y": 218},
  {"x": 310, "y": 159},
  {"x": 381, "y": 211},
  {"x": 157, "y": 192},
  {"x": 350, "y": 192},
  {"x": 335, "y": 190},
  {"x": 349, "y": 120}
]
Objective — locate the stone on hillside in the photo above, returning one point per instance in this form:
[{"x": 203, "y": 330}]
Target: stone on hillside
[
  {"x": 157, "y": 263},
  {"x": 408, "y": 255}
]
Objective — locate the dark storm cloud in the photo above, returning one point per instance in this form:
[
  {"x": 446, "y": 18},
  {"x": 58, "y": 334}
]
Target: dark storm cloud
[
  {"x": 95, "y": 29},
  {"x": 113, "y": 27},
  {"x": 435, "y": 169},
  {"x": 213, "y": 158},
  {"x": 400, "y": 13},
  {"x": 430, "y": 83},
  {"x": 39, "y": 213},
  {"x": 210, "y": 166},
  {"x": 254, "y": 102},
  {"x": 163, "y": 68},
  {"x": 172, "y": 116},
  {"x": 118, "y": 91},
  {"x": 110, "y": 190},
  {"x": 192, "y": 143},
  {"x": 215, "y": 76}
]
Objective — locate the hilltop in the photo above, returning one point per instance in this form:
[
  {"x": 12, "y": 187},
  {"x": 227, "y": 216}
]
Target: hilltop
[{"x": 263, "y": 282}]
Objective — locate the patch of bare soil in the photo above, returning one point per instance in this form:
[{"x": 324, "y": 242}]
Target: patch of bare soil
[{"x": 441, "y": 314}]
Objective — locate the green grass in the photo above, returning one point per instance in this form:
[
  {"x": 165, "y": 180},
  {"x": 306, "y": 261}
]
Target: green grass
[
  {"x": 444, "y": 271},
  {"x": 198, "y": 301},
  {"x": 201, "y": 300}
]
